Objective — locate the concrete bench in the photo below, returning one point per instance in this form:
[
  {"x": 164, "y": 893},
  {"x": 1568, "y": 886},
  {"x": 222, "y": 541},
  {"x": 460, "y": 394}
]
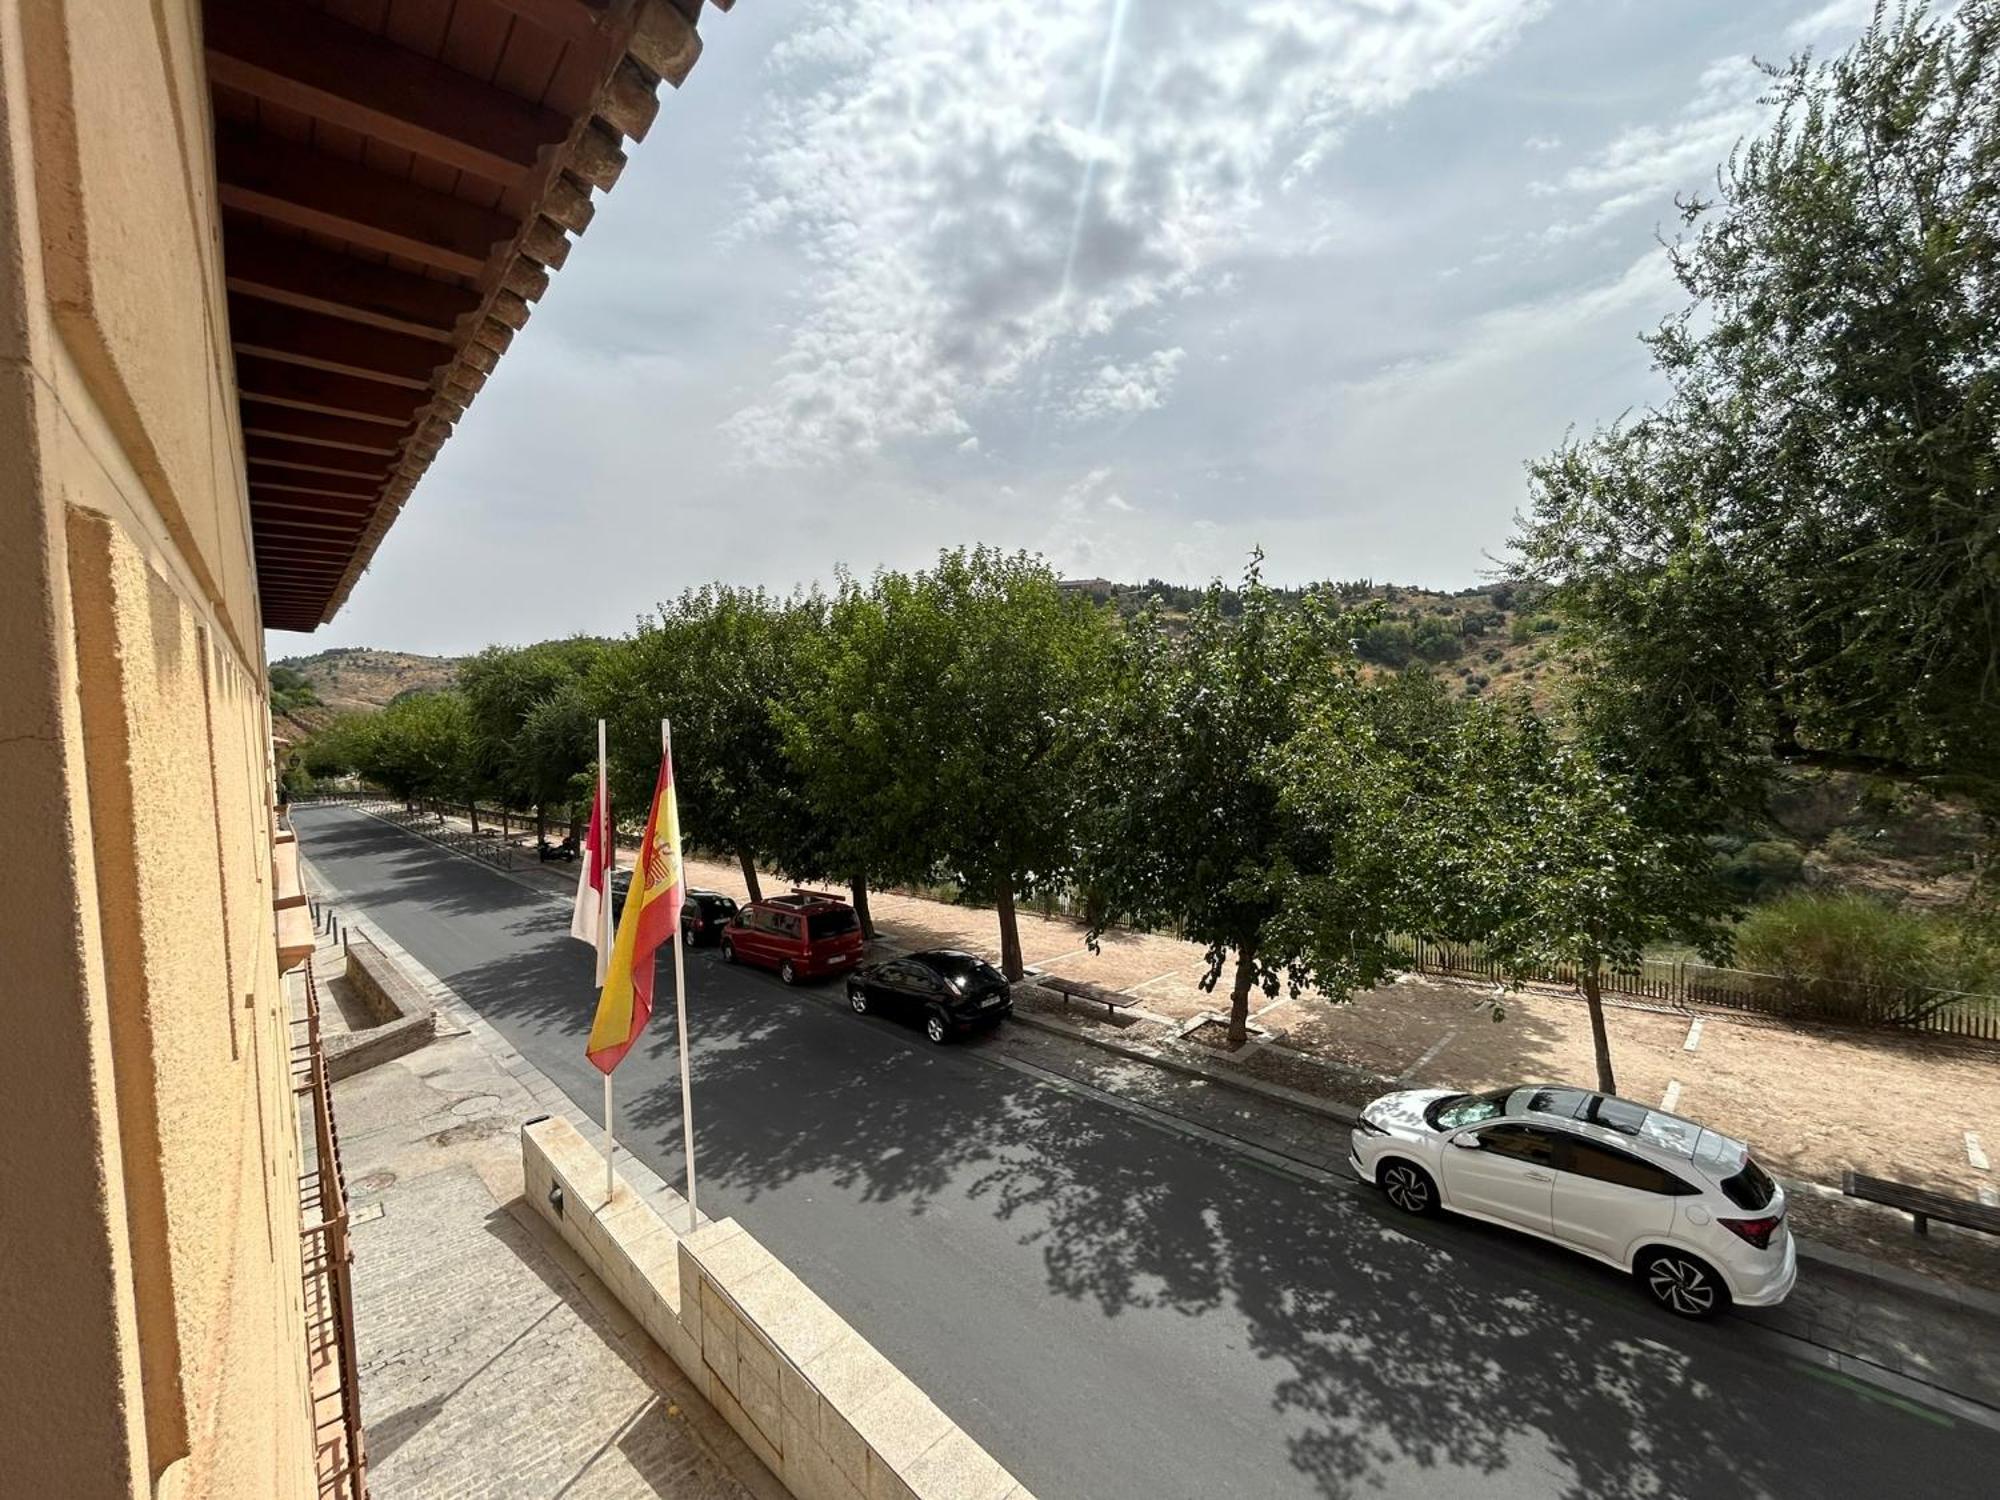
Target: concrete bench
[
  {"x": 1083, "y": 989},
  {"x": 1922, "y": 1204}
]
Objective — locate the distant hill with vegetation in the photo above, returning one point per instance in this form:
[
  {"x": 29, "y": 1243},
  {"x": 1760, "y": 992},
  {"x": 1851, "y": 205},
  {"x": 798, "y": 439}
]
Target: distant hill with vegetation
[{"x": 309, "y": 691}]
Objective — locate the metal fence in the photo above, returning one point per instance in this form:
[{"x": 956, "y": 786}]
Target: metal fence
[
  {"x": 1791, "y": 997},
  {"x": 329, "y": 1273}
]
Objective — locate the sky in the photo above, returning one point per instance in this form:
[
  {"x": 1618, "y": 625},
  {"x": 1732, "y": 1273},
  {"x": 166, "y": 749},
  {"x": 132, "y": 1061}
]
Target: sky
[{"x": 1137, "y": 285}]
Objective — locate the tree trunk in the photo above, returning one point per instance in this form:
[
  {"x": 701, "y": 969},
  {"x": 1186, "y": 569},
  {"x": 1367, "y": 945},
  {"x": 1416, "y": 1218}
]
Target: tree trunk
[
  {"x": 541, "y": 824},
  {"x": 473, "y": 808},
  {"x": 858, "y": 888},
  {"x": 1239, "y": 994},
  {"x": 1593, "y": 999},
  {"x": 1010, "y": 934},
  {"x": 749, "y": 873}
]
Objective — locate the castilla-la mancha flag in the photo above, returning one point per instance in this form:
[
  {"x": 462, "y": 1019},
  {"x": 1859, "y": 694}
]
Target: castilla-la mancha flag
[
  {"x": 593, "y": 881},
  {"x": 652, "y": 916}
]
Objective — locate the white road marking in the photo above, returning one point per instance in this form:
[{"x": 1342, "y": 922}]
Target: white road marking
[
  {"x": 1976, "y": 1153},
  {"x": 1673, "y": 1093},
  {"x": 1421, "y": 1063},
  {"x": 1694, "y": 1036},
  {"x": 1156, "y": 979}
]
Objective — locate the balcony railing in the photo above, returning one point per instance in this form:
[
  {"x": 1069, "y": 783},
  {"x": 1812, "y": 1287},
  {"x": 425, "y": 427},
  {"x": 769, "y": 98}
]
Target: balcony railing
[{"x": 328, "y": 1267}]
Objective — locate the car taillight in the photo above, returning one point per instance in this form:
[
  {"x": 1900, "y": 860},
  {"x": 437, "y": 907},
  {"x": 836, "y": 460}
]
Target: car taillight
[{"x": 1755, "y": 1232}]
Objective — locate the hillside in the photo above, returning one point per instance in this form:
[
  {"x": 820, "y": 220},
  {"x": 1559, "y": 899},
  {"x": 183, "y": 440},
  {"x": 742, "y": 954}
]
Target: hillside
[{"x": 347, "y": 679}]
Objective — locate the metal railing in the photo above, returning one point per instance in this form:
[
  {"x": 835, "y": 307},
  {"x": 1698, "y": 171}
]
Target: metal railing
[
  {"x": 1789, "y": 997},
  {"x": 329, "y": 1274}
]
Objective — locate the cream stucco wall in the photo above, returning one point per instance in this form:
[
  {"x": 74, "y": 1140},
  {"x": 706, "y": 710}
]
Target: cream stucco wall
[{"x": 152, "y": 1337}]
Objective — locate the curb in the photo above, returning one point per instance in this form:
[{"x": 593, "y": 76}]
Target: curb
[
  {"x": 1277, "y": 1093},
  {"x": 1913, "y": 1283}
]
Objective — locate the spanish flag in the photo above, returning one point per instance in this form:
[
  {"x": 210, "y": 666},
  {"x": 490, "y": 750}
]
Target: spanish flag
[{"x": 652, "y": 916}]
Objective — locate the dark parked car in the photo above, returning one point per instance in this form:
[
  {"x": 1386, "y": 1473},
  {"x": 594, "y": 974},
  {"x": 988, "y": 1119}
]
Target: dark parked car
[
  {"x": 703, "y": 913},
  {"x": 703, "y": 916},
  {"x": 805, "y": 935},
  {"x": 947, "y": 991}
]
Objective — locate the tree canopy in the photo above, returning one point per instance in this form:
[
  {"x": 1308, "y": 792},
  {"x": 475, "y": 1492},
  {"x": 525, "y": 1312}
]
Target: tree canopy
[{"x": 1796, "y": 555}]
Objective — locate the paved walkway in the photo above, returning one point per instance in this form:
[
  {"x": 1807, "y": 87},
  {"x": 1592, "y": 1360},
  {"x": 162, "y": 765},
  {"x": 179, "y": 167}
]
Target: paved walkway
[{"x": 492, "y": 1362}]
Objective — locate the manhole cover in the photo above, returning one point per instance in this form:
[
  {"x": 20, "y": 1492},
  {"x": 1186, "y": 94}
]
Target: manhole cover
[
  {"x": 474, "y": 1104},
  {"x": 374, "y": 1182}
]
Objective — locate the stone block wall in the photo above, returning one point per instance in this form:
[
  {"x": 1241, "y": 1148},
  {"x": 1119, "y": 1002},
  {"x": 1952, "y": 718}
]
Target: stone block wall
[{"x": 825, "y": 1411}]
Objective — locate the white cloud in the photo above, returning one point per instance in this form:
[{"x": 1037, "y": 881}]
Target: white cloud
[
  {"x": 1543, "y": 143},
  {"x": 1124, "y": 390},
  {"x": 1643, "y": 166},
  {"x": 929, "y": 162},
  {"x": 1839, "y": 15}
]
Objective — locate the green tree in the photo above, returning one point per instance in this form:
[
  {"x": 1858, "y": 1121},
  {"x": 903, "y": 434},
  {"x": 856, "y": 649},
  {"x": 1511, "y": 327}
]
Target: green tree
[
  {"x": 1795, "y": 555},
  {"x": 710, "y": 662},
  {"x": 1192, "y": 829},
  {"x": 1563, "y": 860},
  {"x": 502, "y": 686},
  {"x": 420, "y": 747}
]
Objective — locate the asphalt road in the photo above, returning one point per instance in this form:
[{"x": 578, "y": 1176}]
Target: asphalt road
[{"x": 1118, "y": 1310}]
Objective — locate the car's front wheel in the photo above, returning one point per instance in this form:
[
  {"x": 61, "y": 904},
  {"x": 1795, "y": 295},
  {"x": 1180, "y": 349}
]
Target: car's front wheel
[
  {"x": 1685, "y": 1285},
  {"x": 857, "y": 999},
  {"x": 728, "y": 951},
  {"x": 936, "y": 1028},
  {"x": 787, "y": 973},
  {"x": 1408, "y": 1186}
]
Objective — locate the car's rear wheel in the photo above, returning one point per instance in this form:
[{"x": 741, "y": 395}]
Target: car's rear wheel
[
  {"x": 728, "y": 951},
  {"x": 787, "y": 973},
  {"x": 936, "y": 1028},
  {"x": 857, "y": 999},
  {"x": 687, "y": 935},
  {"x": 1685, "y": 1285},
  {"x": 1408, "y": 1186}
]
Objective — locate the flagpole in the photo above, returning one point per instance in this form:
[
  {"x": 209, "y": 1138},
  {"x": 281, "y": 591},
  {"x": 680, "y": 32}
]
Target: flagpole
[
  {"x": 681, "y": 1011},
  {"x": 609, "y": 858}
]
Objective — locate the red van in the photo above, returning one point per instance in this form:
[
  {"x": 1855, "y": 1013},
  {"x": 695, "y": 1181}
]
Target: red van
[{"x": 805, "y": 935}]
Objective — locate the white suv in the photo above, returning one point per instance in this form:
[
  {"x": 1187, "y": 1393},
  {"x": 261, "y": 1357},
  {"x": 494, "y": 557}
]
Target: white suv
[{"x": 1684, "y": 1209}]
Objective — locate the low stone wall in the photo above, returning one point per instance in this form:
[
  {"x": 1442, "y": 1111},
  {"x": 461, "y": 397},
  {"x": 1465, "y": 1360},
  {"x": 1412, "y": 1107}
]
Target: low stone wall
[
  {"x": 403, "y": 1020},
  {"x": 827, "y": 1413}
]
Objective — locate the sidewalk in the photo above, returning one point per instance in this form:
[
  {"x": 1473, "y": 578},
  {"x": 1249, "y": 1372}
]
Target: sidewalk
[{"x": 491, "y": 1361}]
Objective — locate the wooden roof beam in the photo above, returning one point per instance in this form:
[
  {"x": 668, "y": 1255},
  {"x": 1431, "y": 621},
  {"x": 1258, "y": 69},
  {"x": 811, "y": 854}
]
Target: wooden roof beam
[
  {"x": 326, "y": 343},
  {"x": 337, "y": 395},
  {"x": 279, "y": 454},
  {"x": 334, "y": 434},
  {"x": 292, "y": 184},
  {"x": 305, "y": 60},
  {"x": 299, "y": 273}
]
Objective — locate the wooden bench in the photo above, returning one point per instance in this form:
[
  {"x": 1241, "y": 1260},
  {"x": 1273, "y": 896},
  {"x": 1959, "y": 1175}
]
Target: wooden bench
[
  {"x": 1082, "y": 989},
  {"x": 1922, "y": 1204}
]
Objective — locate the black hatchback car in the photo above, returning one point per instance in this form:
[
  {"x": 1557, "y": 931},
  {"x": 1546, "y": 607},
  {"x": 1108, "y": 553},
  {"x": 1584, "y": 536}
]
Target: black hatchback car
[{"x": 947, "y": 991}]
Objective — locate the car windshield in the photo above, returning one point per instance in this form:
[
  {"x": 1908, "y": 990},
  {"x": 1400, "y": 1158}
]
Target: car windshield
[
  {"x": 831, "y": 923},
  {"x": 1466, "y": 1109},
  {"x": 961, "y": 969}
]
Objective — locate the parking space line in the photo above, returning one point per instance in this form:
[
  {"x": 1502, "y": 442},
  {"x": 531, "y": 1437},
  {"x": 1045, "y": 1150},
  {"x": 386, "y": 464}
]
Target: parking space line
[
  {"x": 1672, "y": 1096},
  {"x": 1421, "y": 1063},
  {"x": 1694, "y": 1036},
  {"x": 1154, "y": 980}
]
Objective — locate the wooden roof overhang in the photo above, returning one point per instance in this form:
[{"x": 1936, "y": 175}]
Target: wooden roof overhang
[{"x": 396, "y": 180}]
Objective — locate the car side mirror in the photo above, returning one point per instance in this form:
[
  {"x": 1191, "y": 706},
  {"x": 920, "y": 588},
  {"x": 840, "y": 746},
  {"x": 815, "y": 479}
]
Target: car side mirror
[{"x": 1467, "y": 1142}]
